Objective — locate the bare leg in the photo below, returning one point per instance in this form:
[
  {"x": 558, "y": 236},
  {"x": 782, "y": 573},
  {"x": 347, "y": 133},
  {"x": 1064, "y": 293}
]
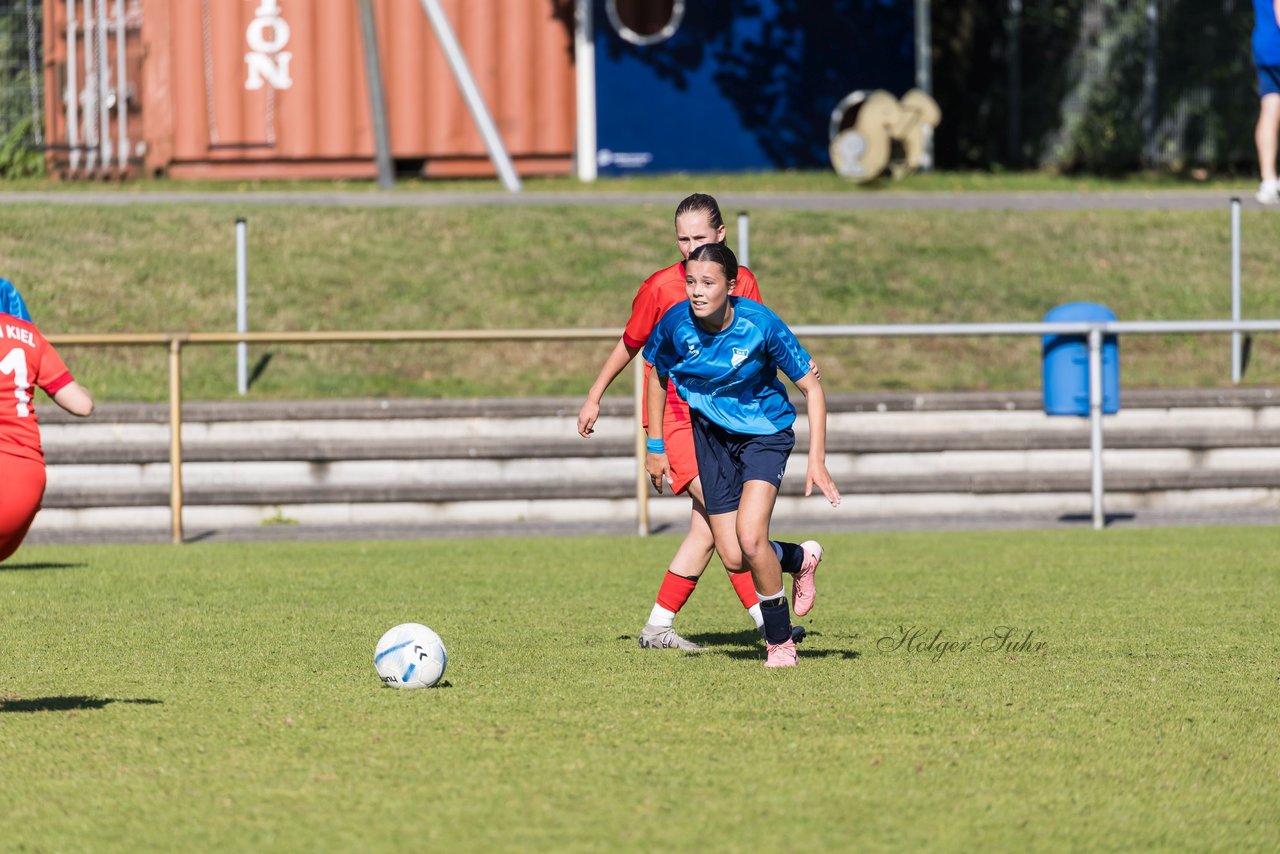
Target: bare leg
[
  {"x": 687, "y": 565},
  {"x": 1265, "y": 135},
  {"x": 742, "y": 537},
  {"x": 702, "y": 525},
  {"x": 724, "y": 526},
  {"x": 752, "y": 528},
  {"x": 695, "y": 550}
]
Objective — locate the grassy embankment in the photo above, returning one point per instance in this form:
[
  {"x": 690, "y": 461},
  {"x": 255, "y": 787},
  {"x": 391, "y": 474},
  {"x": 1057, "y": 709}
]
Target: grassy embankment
[{"x": 171, "y": 268}]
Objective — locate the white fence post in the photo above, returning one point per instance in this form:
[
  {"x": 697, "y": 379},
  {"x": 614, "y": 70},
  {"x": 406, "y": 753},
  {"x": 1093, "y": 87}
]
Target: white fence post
[
  {"x": 1237, "y": 340},
  {"x": 242, "y": 307},
  {"x": 1095, "y": 425}
]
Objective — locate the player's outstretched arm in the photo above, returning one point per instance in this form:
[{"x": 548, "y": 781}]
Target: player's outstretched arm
[
  {"x": 816, "y": 473},
  {"x": 613, "y": 365},
  {"x": 656, "y": 463},
  {"x": 74, "y": 398}
]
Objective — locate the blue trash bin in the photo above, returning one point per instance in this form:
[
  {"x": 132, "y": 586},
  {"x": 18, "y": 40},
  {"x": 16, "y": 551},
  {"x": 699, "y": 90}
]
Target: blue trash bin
[{"x": 1065, "y": 363}]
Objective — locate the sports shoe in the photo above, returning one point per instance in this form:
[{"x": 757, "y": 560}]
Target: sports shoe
[
  {"x": 1268, "y": 194},
  {"x": 797, "y": 633},
  {"x": 781, "y": 654},
  {"x": 664, "y": 637},
  {"x": 803, "y": 590}
]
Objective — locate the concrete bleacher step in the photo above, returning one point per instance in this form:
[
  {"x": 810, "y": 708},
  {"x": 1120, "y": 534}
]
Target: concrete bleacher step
[
  {"x": 330, "y": 451},
  {"x": 984, "y": 483},
  {"x": 514, "y": 461}
]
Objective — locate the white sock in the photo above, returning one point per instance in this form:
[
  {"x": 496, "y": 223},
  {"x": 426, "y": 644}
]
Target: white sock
[
  {"x": 779, "y": 595},
  {"x": 1268, "y": 185},
  {"x": 660, "y": 616},
  {"x": 754, "y": 611}
]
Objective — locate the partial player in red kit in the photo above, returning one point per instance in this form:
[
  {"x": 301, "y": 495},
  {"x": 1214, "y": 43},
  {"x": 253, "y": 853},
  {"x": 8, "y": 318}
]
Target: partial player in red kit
[
  {"x": 27, "y": 362},
  {"x": 698, "y": 221}
]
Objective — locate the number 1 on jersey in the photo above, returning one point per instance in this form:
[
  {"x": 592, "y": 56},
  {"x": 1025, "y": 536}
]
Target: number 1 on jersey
[{"x": 15, "y": 362}]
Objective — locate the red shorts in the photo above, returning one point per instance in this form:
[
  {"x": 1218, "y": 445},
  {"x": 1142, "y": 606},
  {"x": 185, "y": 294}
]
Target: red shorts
[
  {"x": 677, "y": 435},
  {"x": 23, "y": 481}
]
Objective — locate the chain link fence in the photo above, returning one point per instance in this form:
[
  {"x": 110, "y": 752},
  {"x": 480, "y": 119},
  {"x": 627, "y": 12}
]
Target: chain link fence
[
  {"x": 21, "y": 87},
  {"x": 1094, "y": 85}
]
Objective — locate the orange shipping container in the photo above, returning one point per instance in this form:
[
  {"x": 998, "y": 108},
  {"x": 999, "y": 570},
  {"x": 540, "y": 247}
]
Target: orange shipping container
[{"x": 276, "y": 88}]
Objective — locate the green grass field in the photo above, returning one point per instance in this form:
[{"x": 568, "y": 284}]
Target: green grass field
[{"x": 222, "y": 697}]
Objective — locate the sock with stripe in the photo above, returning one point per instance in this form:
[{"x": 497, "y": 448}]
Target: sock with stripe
[
  {"x": 674, "y": 592},
  {"x": 777, "y": 617},
  {"x": 790, "y": 555},
  {"x": 746, "y": 590}
]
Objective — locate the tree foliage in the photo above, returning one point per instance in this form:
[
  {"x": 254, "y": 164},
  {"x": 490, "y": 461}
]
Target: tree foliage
[
  {"x": 19, "y": 156},
  {"x": 1063, "y": 83}
]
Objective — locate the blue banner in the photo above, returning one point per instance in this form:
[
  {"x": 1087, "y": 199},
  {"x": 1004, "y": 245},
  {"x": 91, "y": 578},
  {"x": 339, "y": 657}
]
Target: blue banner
[{"x": 740, "y": 84}]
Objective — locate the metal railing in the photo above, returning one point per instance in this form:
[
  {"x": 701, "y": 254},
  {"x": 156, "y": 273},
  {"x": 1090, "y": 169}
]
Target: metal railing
[{"x": 1093, "y": 331}]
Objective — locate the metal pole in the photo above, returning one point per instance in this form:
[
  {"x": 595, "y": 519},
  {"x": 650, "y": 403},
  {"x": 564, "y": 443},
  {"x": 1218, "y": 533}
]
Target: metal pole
[
  {"x": 377, "y": 100},
  {"x": 1095, "y": 425},
  {"x": 584, "y": 71},
  {"x": 1237, "y": 340},
  {"x": 104, "y": 85},
  {"x": 36, "y": 80},
  {"x": 90, "y": 90},
  {"x": 1014, "y": 73},
  {"x": 175, "y": 439},
  {"x": 924, "y": 72},
  {"x": 73, "y": 89},
  {"x": 642, "y": 476},
  {"x": 122, "y": 91},
  {"x": 744, "y": 239},
  {"x": 242, "y": 306},
  {"x": 471, "y": 93},
  {"x": 924, "y": 55},
  {"x": 1150, "y": 82}
]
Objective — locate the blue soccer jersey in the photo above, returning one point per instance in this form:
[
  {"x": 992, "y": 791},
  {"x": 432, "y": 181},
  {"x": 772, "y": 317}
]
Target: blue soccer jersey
[
  {"x": 1266, "y": 34},
  {"x": 731, "y": 377}
]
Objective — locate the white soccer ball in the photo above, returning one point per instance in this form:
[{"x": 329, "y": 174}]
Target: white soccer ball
[{"x": 410, "y": 656}]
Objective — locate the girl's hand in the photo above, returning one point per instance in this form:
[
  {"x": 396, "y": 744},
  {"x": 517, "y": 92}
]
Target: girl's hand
[
  {"x": 658, "y": 468},
  {"x": 587, "y": 416},
  {"x": 817, "y": 475}
]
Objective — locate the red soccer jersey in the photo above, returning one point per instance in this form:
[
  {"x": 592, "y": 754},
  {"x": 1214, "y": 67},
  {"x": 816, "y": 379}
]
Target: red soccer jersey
[
  {"x": 659, "y": 292},
  {"x": 26, "y": 361}
]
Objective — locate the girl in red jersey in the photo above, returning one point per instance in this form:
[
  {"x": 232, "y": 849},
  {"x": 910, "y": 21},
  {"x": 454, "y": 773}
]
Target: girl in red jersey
[
  {"x": 27, "y": 360},
  {"x": 698, "y": 221}
]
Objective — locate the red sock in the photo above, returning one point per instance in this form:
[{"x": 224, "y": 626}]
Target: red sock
[
  {"x": 675, "y": 591},
  {"x": 745, "y": 588}
]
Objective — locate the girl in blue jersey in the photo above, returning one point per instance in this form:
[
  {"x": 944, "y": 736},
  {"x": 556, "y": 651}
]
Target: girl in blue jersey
[
  {"x": 1266, "y": 58},
  {"x": 724, "y": 354}
]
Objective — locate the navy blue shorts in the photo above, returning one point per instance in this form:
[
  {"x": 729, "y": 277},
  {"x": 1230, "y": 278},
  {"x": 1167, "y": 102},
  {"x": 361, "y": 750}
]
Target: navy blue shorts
[
  {"x": 1268, "y": 80},
  {"x": 728, "y": 460}
]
